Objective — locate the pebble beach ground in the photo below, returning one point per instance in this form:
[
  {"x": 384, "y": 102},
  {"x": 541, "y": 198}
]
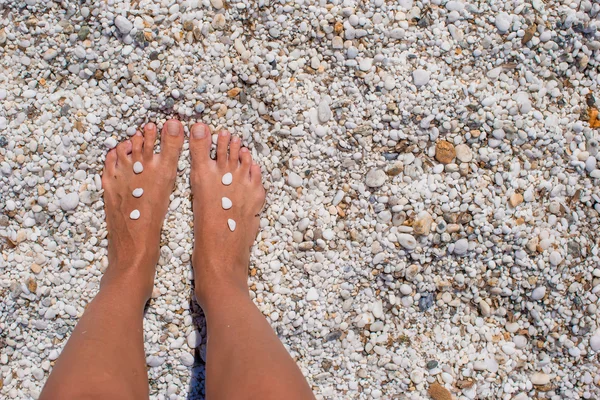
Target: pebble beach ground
[{"x": 432, "y": 219}]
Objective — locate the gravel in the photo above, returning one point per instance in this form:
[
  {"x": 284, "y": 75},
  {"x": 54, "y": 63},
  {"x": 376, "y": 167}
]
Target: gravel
[{"x": 432, "y": 174}]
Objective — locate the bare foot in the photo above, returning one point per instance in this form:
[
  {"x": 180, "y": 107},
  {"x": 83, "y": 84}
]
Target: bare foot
[
  {"x": 221, "y": 256},
  {"x": 133, "y": 245}
]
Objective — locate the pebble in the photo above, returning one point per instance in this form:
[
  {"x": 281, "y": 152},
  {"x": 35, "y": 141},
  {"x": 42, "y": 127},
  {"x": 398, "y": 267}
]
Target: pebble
[
  {"x": 69, "y": 202},
  {"x": 135, "y": 214},
  {"x": 515, "y": 199},
  {"x": 194, "y": 339},
  {"x": 407, "y": 241},
  {"x": 226, "y": 203},
  {"x": 503, "y": 22},
  {"x": 421, "y": 77},
  {"x": 595, "y": 342},
  {"x": 540, "y": 378},
  {"x": 324, "y": 112},
  {"x": 438, "y": 392},
  {"x": 376, "y": 178},
  {"x": 217, "y": 4},
  {"x": 227, "y": 179},
  {"x": 444, "y": 152},
  {"x": 294, "y": 180},
  {"x": 231, "y": 224},
  {"x": 555, "y": 258},
  {"x": 538, "y": 293},
  {"x": 155, "y": 361},
  {"x": 461, "y": 247},
  {"x": 187, "y": 359},
  {"x": 312, "y": 294},
  {"x": 138, "y": 167},
  {"x": 137, "y": 192},
  {"x": 123, "y": 25},
  {"x": 464, "y": 153}
]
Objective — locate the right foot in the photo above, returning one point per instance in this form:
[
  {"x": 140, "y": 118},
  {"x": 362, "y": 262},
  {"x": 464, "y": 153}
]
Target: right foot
[{"x": 221, "y": 257}]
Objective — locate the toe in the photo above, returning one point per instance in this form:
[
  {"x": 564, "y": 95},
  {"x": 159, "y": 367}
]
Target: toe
[
  {"x": 171, "y": 139},
  {"x": 110, "y": 166},
  {"x": 222, "y": 148},
  {"x": 149, "y": 140},
  {"x": 137, "y": 142},
  {"x": 255, "y": 176},
  {"x": 123, "y": 151},
  {"x": 200, "y": 142},
  {"x": 246, "y": 160},
  {"x": 234, "y": 152}
]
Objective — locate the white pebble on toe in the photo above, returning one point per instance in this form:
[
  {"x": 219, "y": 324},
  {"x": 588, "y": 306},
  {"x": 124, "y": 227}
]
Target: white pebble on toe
[
  {"x": 226, "y": 203},
  {"x": 231, "y": 223},
  {"x": 135, "y": 214},
  {"x": 138, "y": 167},
  {"x": 137, "y": 192},
  {"x": 227, "y": 179}
]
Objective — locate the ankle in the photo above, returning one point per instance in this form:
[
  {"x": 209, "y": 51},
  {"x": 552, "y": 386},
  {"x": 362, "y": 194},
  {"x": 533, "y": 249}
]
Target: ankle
[
  {"x": 213, "y": 295},
  {"x": 132, "y": 280}
]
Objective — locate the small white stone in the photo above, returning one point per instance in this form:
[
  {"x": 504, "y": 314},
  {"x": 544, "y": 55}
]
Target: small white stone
[
  {"x": 538, "y": 293},
  {"x": 595, "y": 342},
  {"x": 137, "y": 192},
  {"x": 69, "y": 202},
  {"x": 461, "y": 246},
  {"x": 231, "y": 224},
  {"x": 540, "y": 378},
  {"x": 416, "y": 376},
  {"x": 226, "y": 203},
  {"x": 421, "y": 77},
  {"x": 520, "y": 341},
  {"x": 227, "y": 179},
  {"x": 312, "y": 294},
  {"x": 294, "y": 180},
  {"x": 218, "y": 4},
  {"x": 123, "y": 24},
  {"x": 324, "y": 112},
  {"x": 155, "y": 361},
  {"x": 405, "y": 289},
  {"x": 187, "y": 359},
  {"x": 194, "y": 339},
  {"x": 135, "y": 214},
  {"x": 555, "y": 258},
  {"x": 464, "y": 153},
  {"x": 407, "y": 241},
  {"x": 503, "y": 22},
  {"x": 138, "y": 167}
]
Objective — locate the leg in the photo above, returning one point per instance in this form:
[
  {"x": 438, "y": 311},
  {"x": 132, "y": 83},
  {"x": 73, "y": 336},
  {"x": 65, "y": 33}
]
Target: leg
[
  {"x": 104, "y": 357},
  {"x": 245, "y": 359}
]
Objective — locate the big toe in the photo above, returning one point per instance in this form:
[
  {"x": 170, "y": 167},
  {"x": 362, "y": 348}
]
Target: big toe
[
  {"x": 171, "y": 139},
  {"x": 200, "y": 142}
]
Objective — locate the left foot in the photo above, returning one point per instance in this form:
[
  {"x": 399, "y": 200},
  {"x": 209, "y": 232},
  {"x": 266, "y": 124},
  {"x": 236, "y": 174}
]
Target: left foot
[{"x": 133, "y": 245}]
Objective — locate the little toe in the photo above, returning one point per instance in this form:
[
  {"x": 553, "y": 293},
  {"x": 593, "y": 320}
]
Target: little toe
[
  {"x": 123, "y": 151},
  {"x": 200, "y": 142},
  {"x": 171, "y": 139},
  {"x": 110, "y": 164},
  {"x": 246, "y": 161},
  {"x": 234, "y": 152},
  {"x": 255, "y": 176},
  {"x": 149, "y": 140},
  {"x": 222, "y": 148}
]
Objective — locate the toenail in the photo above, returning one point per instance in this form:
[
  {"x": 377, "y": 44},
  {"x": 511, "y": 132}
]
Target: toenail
[
  {"x": 173, "y": 128},
  {"x": 223, "y": 133},
  {"x": 198, "y": 131}
]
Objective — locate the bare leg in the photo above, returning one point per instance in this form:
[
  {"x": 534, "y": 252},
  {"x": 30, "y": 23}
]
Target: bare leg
[
  {"x": 245, "y": 359},
  {"x": 104, "y": 357}
]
